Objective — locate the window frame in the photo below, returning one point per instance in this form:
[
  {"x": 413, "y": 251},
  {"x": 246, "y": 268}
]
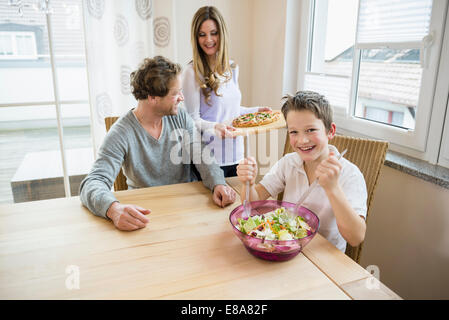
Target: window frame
[
  {"x": 440, "y": 119},
  {"x": 411, "y": 142}
]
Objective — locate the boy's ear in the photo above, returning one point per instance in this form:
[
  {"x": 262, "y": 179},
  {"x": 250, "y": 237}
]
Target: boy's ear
[{"x": 332, "y": 131}]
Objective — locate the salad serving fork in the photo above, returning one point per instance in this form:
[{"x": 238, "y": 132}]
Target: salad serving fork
[
  {"x": 313, "y": 185},
  {"x": 246, "y": 204}
]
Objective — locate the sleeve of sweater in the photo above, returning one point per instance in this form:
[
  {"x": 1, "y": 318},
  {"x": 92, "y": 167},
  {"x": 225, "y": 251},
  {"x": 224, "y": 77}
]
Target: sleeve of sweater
[
  {"x": 192, "y": 96},
  {"x": 95, "y": 189},
  {"x": 202, "y": 157}
]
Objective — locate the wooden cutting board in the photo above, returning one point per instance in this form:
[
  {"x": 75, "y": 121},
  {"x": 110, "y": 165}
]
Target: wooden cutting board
[{"x": 280, "y": 123}]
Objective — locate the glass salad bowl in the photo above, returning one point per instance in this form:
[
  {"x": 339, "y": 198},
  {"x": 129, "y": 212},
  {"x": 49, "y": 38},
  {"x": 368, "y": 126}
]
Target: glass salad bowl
[{"x": 274, "y": 250}]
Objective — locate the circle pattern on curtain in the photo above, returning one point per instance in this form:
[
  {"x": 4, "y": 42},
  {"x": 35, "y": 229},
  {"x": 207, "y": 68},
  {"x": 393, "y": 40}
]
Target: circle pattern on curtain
[
  {"x": 121, "y": 30},
  {"x": 95, "y": 8},
  {"x": 144, "y": 8},
  {"x": 125, "y": 85},
  {"x": 103, "y": 106},
  {"x": 161, "y": 29}
]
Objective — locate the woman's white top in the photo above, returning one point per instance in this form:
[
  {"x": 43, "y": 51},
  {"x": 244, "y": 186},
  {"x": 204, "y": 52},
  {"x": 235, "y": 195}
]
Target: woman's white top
[{"x": 222, "y": 109}]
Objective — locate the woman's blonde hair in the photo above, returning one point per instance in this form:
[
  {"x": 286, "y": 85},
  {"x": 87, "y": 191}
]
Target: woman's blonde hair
[{"x": 206, "y": 78}]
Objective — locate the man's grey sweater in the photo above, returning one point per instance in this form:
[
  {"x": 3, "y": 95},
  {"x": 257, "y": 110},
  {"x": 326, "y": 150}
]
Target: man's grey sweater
[{"x": 148, "y": 161}]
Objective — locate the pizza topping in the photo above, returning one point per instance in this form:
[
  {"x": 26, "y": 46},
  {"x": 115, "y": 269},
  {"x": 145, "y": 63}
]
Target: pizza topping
[{"x": 256, "y": 119}]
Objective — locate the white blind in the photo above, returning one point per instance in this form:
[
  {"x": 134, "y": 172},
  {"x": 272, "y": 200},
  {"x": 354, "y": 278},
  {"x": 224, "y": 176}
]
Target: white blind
[
  {"x": 335, "y": 89},
  {"x": 393, "y": 20}
]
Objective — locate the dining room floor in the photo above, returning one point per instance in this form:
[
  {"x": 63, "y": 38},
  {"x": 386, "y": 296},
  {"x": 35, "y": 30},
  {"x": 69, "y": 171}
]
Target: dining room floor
[{"x": 16, "y": 144}]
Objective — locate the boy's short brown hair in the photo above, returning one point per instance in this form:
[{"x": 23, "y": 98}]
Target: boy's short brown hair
[
  {"x": 153, "y": 77},
  {"x": 311, "y": 101}
]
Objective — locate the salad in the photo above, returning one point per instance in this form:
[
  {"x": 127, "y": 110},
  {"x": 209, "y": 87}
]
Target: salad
[{"x": 275, "y": 225}]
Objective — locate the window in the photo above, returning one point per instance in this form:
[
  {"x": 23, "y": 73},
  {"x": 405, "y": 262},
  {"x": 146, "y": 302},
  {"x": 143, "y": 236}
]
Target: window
[
  {"x": 377, "y": 62},
  {"x": 17, "y": 45},
  {"x": 44, "y": 109}
]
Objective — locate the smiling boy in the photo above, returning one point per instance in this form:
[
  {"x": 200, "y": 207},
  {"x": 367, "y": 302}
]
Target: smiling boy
[{"x": 340, "y": 197}]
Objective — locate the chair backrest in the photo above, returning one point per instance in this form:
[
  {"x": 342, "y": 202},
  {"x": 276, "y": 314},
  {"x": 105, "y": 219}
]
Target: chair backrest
[
  {"x": 369, "y": 156},
  {"x": 120, "y": 181}
]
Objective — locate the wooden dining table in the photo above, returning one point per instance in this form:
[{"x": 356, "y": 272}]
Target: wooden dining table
[{"x": 57, "y": 249}]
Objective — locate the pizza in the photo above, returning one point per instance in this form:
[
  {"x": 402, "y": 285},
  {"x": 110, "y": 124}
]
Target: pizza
[{"x": 255, "y": 119}]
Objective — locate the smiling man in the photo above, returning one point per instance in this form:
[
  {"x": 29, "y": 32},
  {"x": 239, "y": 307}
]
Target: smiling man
[{"x": 141, "y": 142}]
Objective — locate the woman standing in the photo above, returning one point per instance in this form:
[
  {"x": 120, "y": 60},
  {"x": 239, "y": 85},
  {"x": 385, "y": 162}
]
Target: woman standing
[{"x": 211, "y": 90}]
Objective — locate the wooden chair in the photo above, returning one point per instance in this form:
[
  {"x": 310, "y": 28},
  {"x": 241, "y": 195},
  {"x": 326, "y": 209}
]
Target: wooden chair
[
  {"x": 120, "y": 181},
  {"x": 369, "y": 156}
]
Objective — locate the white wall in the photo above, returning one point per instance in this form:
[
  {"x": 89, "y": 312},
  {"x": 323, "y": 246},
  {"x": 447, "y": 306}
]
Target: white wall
[
  {"x": 268, "y": 52},
  {"x": 408, "y": 236}
]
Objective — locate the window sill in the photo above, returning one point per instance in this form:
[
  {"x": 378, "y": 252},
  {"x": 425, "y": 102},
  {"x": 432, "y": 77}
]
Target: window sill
[{"x": 418, "y": 168}]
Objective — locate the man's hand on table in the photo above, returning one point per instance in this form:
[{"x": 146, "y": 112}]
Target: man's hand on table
[
  {"x": 223, "y": 195},
  {"x": 127, "y": 217}
]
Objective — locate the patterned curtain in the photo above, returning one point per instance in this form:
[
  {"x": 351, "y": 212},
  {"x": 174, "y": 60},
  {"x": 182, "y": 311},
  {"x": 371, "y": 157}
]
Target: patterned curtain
[{"x": 119, "y": 34}]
